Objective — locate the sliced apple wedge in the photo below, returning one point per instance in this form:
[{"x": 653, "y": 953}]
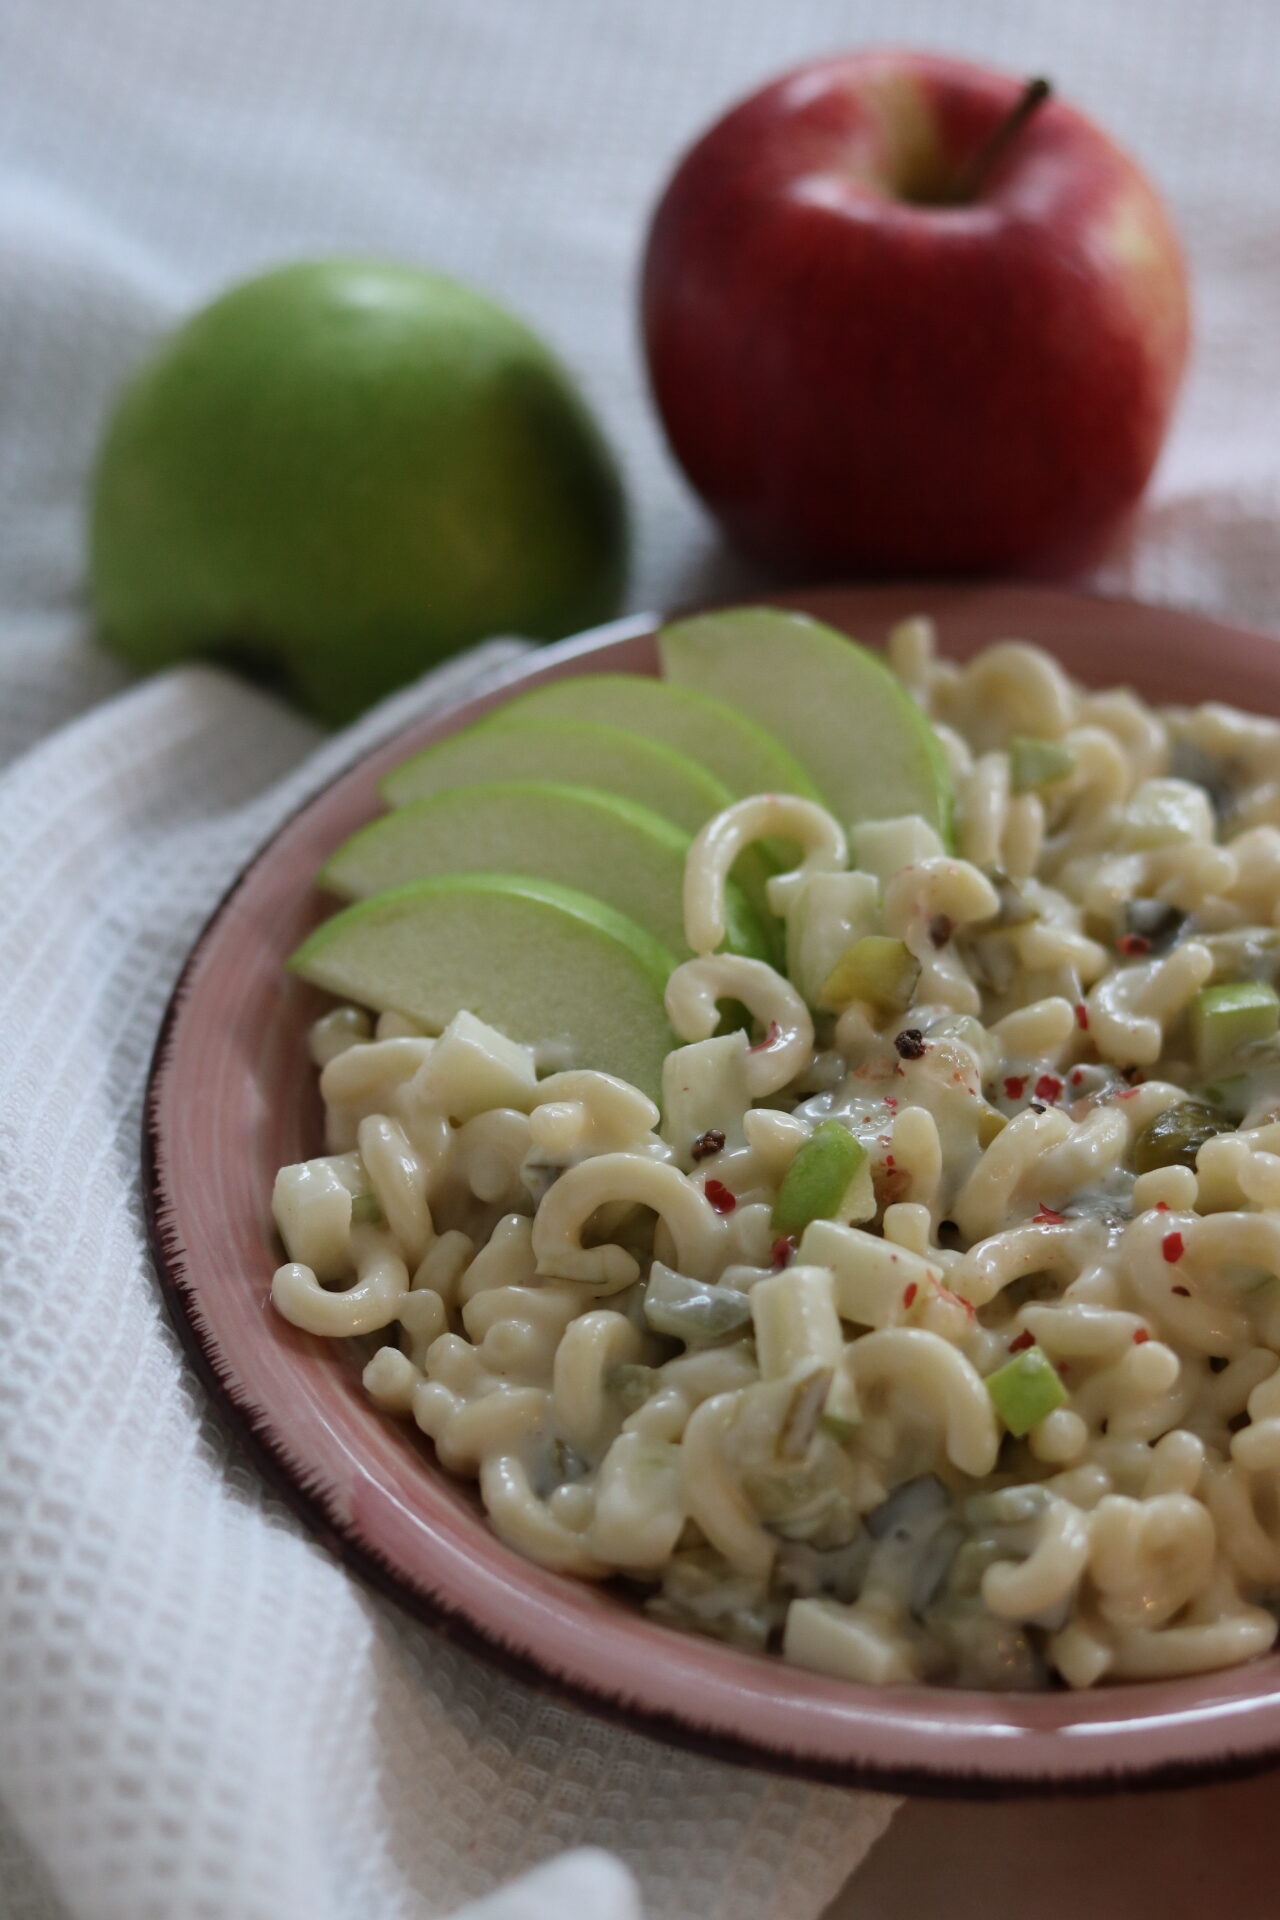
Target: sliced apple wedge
[
  {"x": 608, "y": 758},
  {"x": 732, "y": 747},
  {"x": 836, "y": 706},
  {"x": 625, "y": 855},
  {"x": 591, "y": 755},
  {"x": 543, "y": 964}
]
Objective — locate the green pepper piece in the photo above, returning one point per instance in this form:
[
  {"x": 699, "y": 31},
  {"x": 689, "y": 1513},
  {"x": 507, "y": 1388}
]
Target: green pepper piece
[
  {"x": 1025, "y": 1390},
  {"x": 817, "y": 1179}
]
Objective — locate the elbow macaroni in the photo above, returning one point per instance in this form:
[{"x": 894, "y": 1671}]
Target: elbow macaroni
[{"x": 798, "y": 1443}]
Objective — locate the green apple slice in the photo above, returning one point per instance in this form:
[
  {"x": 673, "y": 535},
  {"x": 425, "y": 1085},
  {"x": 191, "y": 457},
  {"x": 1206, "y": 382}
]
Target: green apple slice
[
  {"x": 625, "y": 855},
  {"x": 732, "y": 747},
  {"x": 833, "y": 704},
  {"x": 608, "y": 758},
  {"x": 544, "y": 964}
]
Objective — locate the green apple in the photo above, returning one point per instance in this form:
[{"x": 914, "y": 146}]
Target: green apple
[
  {"x": 341, "y": 472},
  {"x": 625, "y": 855},
  {"x": 829, "y": 701},
  {"x": 727, "y": 743},
  {"x": 541, "y": 963},
  {"x": 608, "y": 758}
]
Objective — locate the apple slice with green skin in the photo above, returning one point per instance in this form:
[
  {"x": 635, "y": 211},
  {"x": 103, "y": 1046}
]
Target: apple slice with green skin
[
  {"x": 543, "y": 964},
  {"x": 607, "y": 758},
  {"x": 833, "y": 704},
  {"x": 625, "y": 855},
  {"x": 730, "y": 745}
]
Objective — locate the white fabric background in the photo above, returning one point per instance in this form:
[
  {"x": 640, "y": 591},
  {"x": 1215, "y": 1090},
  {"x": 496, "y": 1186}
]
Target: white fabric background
[{"x": 200, "y": 1715}]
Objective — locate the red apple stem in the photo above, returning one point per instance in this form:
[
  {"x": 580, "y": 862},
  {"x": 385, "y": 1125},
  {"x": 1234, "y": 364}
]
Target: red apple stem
[{"x": 992, "y": 151}]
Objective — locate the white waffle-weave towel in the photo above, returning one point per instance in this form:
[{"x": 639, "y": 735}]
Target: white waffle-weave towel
[{"x": 201, "y": 1714}]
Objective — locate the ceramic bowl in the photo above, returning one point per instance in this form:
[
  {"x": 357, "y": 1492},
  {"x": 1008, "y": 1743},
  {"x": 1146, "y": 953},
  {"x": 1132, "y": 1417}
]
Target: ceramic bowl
[{"x": 232, "y": 1097}]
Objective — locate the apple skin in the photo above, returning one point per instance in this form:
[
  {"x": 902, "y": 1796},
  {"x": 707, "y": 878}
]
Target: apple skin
[{"x": 858, "y": 381}]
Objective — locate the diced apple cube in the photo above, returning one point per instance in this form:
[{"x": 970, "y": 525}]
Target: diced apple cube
[
  {"x": 832, "y": 911},
  {"x": 834, "y": 1639},
  {"x": 1164, "y": 813},
  {"x": 473, "y": 1067},
  {"x": 1228, "y": 1017},
  {"x": 311, "y": 1203},
  {"x": 795, "y": 1320},
  {"x": 878, "y": 969},
  {"x": 872, "y": 1276},
  {"x": 884, "y": 847},
  {"x": 704, "y": 1088}
]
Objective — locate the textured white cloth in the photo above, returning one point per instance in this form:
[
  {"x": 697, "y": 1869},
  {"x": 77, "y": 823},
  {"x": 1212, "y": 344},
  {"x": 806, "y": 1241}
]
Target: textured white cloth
[
  {"x": 201, "y": 1716},
  {"x": 200, "y": 1712}
]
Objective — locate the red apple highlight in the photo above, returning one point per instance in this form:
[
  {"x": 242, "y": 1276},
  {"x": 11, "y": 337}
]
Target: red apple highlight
[{"x": 879, "y": 346}]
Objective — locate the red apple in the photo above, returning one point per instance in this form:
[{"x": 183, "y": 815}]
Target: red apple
[{"x": 884, "y": 338}]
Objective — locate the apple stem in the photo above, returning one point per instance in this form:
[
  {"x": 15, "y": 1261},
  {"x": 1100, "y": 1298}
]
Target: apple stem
[{"x": 992, "y": 151}]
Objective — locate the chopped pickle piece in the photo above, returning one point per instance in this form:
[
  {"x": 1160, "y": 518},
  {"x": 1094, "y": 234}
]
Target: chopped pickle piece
[
  {"x": 1026, "y": 1390},
  {"x": 1038, "y": 763},
  {"x": 692, "y": 1310},
  {"x": 816, "y": 1181},
  {"x": 1175, "y": 1137},
  {"x": 366, "y": 1210},
  {"x": 878, "y": 969},
  {"x": 1226, "y": 1018}
]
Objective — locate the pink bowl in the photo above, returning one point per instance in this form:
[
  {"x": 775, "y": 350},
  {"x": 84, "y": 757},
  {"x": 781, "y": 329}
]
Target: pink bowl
[{"x": 232, "y": 1098}]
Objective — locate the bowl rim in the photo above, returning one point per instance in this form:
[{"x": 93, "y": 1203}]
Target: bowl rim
[{"x": 916, "y": 1740}]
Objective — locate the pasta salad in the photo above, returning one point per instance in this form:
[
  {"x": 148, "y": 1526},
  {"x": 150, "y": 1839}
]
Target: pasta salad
[{"x": 929, "y": 1328}]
